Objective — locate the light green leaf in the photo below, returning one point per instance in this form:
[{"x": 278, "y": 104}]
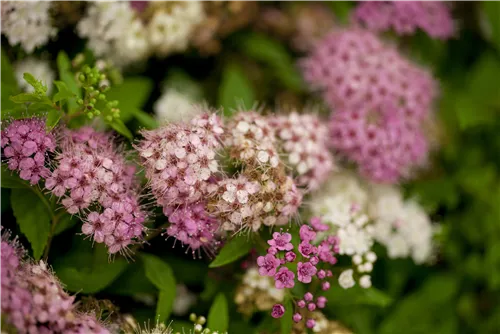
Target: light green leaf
[
  {"x": 63, "y": 92},
  {"x": 88, "y": 268},
  {"x": 67, "y": 76},
  {"x": 121, "y": 128},
  {"x": 218, "y": 316},
  {"x": 132, "y": 94},
  {"x": 235, "y": 90},
  {"x": 31, "y": 98},
  {"x": 11, "y": 180},
  {"x": 232, "y": 251},
  {"x": 33, "y": 218},
  {"x": 165, "y": 304},
  {"x": 286, "y": 319}
]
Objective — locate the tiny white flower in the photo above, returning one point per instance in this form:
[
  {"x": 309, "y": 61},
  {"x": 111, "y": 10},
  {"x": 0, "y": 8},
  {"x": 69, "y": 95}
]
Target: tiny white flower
[
  {"x": 346, "y": 280},
  {"x": 365, "y": 281}
]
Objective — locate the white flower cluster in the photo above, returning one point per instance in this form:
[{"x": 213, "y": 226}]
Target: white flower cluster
[
  {"x": 40, "y": 69},
  {"x": 27, "y": 23},
  {"x": 173, "y": 106},
  {"x": 115, "y": 31},
  {"x": 172, "y": 25},
  {"x": 362, "y": 214},
  {"x": 401, "y": 226},
  {"x": 254, "y": 282}
]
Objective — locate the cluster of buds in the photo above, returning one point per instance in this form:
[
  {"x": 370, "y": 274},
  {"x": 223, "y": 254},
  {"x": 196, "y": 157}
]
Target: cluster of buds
[
  {"x": 33, "y": 300},
  {"x": 93, "y": 179},
  {"x": 309, "y": 262},
  {"x": 322, "y": 325},
  {"x": 25, "y": 145}
]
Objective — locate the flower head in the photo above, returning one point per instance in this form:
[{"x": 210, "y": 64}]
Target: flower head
[
  {"x": 406, "y": 17},
  {"x": 284, "y": 278},
  {"x": 305, "y": 272},
  {"x": 278, "y": 311},
  {"x": 345, "y": 279},
  {"x": 25, "y": 145},
  {"x": 268, "y": 265},
  {"x": 281, "y": 241}
]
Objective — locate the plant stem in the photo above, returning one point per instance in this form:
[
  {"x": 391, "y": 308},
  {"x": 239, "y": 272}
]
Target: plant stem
[
  {"x": 55, "y": 220},
  {"x": 156, "y": 232}
]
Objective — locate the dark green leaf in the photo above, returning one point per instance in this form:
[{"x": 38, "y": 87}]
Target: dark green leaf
[
  {"x": 131, "y": 94},
  {"x": 11, "y": 179},
  {"x": 232, "y": 251},
  {"x": 33, "y": 218},
  {"x": 132, "y": 282},
  {"x": 88, "y": 268},
  {"x": 490, "y": 24},
  {"x": 67, "y": 76},
  {"x": 286, "y": 319},
  {"x": 274, "y": 55},
  {"x": 160, "y": 274},
  {"x": 145, "y": 119},
  {"x": 218, "y": 316},
  {"x": 358, "y": 296},
  {"x": 8, "y": 76},
  {"x": 53, "y": 118},
  {"x": 65, "y": 222},
  {"x": 121, "y": 128},
  {"x": 235, "y": 90}
]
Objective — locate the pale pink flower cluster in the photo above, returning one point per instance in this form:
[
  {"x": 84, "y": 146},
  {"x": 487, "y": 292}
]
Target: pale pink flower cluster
[
  {"x": 181, "y": 163},
  {"x": 379, "y": 102},
  {"x": 405, "y": 17},
  {"x": 25, "y": 145},
  {"x": 33, "y": 300},
  {"x": 93, "y": 179},
  {"x": 304, "y": 140}
]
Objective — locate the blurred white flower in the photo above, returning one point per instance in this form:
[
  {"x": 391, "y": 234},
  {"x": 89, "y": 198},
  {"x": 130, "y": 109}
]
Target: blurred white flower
[
  {"x": 27, "y": 23},
  {"x": 346, "y": 280},
  {"x": 184, "y": 299},
  {"x": 114, "y": 32},
  {"x": 173, "y": 106},
  {"x": 40, "y": 69}
]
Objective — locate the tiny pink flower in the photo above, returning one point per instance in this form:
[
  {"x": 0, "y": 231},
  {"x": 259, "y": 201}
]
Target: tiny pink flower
[
  {"x": 305, "y": 272},
  {"x": 278, "y": 311},
  {"x": 325, "y": 286},
  {"x": 281, "y": 241},
  {"x": 321, "y": 274},
  {"x": 272, "y": 250},
  {"x": 306, "y": 233},
  {"x": 290, "y": 256},
  {"x": 311, "y": 306},
  {"x": 310, "y": 323},
  {"x": 306, "y": 249},
  {"x": 301, "y": 303},
  {"x": 318, "y": 225},
  {"x": 284, "y": 278},
  {"x": 268, "y": 265},
  {"x": 321, "y": 302},
  {"x": 297, "y": 317},
  {"x": 308, "y": 296}
]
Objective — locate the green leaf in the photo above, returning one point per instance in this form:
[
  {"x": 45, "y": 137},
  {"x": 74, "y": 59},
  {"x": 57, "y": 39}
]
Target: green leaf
[
  {"x": 132, "y": 94},
  {"x": 33, "y": 218},
  {"x": 65, "y": 222},
  {"x": 121, "y": 128},
  {"x": 490, "y": 24},
  {"x": 67, "y": 76},
  {"x": 88, "y": 268},
  {"x": 53, "y": 118},
  {"x": 160, "y": 274},
  {"x": 63, "y": 92},
  {"x": 275, "y": 56},
  {"x": 8, "y": 76},
  {"x": 145, "y": 119},
  {"x": 358, "y": 296},
  {"x": 218, "y": 316},
  {"x": 286, "y": 319},
  {"x": 132, "y": 281},
  {"x": 232, "y": 251},
  {"x": 31, "y": 98},
  {"x": 341, "y": 9},
  {"x": 235, "y": 90},
  {"x": 39, "y": 86},
  {"x": 11, "y": 180}
]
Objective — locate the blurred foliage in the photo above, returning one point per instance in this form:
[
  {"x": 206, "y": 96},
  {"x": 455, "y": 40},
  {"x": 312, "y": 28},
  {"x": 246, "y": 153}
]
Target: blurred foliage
[{"x": 459, "y": 293}]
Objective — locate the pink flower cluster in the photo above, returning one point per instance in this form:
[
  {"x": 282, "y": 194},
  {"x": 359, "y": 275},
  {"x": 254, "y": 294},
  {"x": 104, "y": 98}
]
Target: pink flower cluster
[
  {"x": 93, "y": 179},
  {"x": 379, "y": 100},
  {"x": 181, "y": 163},
  {"x": 405, "y": 17},
  {"x": 25, "y": 145},
  {"x": 304, "y": 140},
  {"x": 311, "y": 255},
  {"x": 33, "y": 300}
]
